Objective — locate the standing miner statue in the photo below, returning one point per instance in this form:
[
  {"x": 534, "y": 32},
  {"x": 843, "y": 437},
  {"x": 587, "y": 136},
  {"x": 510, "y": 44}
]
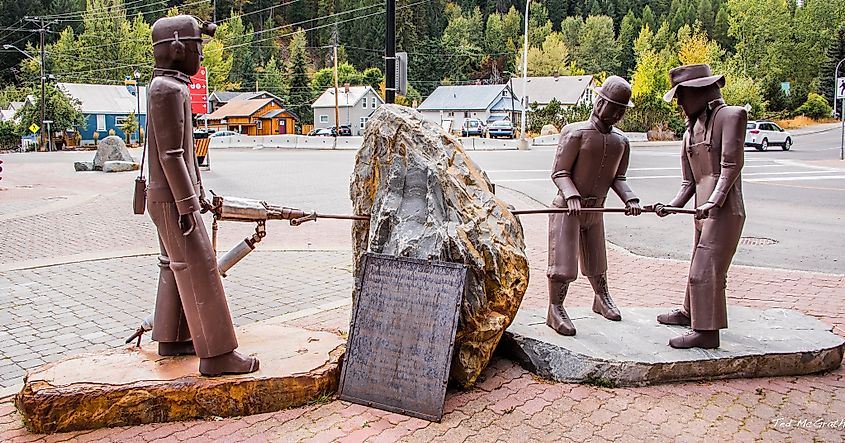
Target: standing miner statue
[
  {"x": 591, "y": 158},
  {"x": 711, "y": 161},
  {"x": 191, "y": 314}
]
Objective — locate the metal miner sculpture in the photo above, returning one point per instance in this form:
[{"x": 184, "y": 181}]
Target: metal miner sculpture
[
  {"x": 191, "y": 314},
  {"x": 711, "y": 161},
  {"x": 591, "y": 158}
]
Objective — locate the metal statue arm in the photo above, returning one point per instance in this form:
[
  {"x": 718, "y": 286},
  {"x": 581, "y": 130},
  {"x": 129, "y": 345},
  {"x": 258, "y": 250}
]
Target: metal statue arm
[
  {"x": 620, "y": 182},
  {"x": 687, "y": 190},
  {"x": 167, "y": 107},
  {"x": 733, "y": 151},
  {"x": 567, "y": 153}
]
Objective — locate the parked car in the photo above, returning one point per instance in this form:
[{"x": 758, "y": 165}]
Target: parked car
[
  {"x": 224, "y": 133},
  {"x": 322, "y": 132},
  {"x": 762, "y": 134},
  {"x": 344, "y": 131},
  {"x": 501, "y": 128},
  {"x": 473, "y": 126}
]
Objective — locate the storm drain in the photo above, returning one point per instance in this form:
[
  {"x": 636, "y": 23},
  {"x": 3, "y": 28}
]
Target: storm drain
[{"x": 757, "y": 241}]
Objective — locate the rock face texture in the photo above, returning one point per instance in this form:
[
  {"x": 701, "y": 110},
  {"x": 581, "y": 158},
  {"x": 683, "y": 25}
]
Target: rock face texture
[
  {"x": 118, "y": 166},
  {"x": 549, "y": 130},
  {"x": 121, "y": 387},
  {"x": 635, "y": 351},
  {"x": 427, "y": 199},
  {"x": 111, "y": 148}
]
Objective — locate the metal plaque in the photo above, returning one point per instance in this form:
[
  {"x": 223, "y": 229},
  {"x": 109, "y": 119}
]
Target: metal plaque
[{"x": 404, "y": 320}]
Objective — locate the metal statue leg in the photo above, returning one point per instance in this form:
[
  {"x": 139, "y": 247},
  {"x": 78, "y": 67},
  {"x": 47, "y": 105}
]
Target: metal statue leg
[{"x": 562, "y": 270}]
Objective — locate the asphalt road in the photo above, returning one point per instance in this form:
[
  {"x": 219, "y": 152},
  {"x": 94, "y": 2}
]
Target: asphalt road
[
  {"x": 792, "y": 198},
  {"x": 794, "y": 216}
]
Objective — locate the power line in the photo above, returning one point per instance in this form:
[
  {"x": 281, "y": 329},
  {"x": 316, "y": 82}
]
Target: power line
[{"x": 81, "y": 13}]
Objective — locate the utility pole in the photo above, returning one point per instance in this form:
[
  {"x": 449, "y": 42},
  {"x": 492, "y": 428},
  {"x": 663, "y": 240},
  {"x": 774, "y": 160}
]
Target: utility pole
[
  {"x": 390, "y": 54},
  {"x": 41, "y": 30},
  {"x": 43, "y": 102},
  {"x": 336, "y": 98}
]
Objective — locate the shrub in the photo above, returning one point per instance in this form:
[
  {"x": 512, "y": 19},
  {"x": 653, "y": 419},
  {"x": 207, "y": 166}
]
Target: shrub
[{"x": 815, "y": 107}]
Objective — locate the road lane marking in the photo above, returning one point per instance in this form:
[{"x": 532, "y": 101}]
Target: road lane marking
[{"x": 789, "y": 179}]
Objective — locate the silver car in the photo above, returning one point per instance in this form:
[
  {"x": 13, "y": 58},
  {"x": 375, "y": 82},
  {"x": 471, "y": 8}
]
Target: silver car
[{"x": 762, "y": 134}]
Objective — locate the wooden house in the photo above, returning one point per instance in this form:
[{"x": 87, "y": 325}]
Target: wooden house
[{"x": 260, "y": 116}]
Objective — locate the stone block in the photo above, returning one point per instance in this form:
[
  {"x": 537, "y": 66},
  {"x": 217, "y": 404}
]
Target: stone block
[
  {"x": 83, "y": 166},
  {"x": 120, "y": 166},
  {"x": 111, "y": 148},
  {"x": 120, "y": 387},
  {"x": 635, "y": 351}
]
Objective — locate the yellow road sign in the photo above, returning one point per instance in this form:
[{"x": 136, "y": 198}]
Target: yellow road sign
[{"x": 34, "y": 128}]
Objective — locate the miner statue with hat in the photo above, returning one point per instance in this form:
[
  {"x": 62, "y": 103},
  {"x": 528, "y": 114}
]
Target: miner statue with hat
[
  {"x": 592, "y": 157},
  {"x": 191, "y": 314},
  {"x": 711, "y": 161}
]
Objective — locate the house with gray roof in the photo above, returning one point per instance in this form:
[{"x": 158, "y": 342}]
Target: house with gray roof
[
  {"x": 106, "y": 107},
  {"x": 449, "y": 106},
  {"x": 568, "y": 90},
  {"x": 355, "y": 106}
]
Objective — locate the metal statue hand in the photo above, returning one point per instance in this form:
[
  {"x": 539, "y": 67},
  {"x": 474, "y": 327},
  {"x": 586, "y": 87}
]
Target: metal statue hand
[
  {"x": 632, "y": 207},
  {"x": 703, "y": 211},
  {"x": 660, "y": 210},
  {"x": 187, "y": 223},
  {"x": 574, "y": 205}
]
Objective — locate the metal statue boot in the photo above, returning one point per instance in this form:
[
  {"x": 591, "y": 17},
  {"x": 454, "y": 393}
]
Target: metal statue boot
[
  {"x": 228, "y": 363},
  {"x": 602, "y": 303},
  {"x": 676, "y": 318},
  {"x": 696, "y": 339},
  {"x": 557, "y": 318}
]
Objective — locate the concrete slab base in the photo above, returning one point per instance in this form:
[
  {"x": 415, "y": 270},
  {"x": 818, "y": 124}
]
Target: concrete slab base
[
  {"x": 134, "y": 386},
  {"x": 635, "y": 351}
]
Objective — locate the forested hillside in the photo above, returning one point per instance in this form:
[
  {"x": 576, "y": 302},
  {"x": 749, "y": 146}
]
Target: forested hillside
[{"x": 774, "y": 52}]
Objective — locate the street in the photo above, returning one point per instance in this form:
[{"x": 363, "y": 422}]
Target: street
[{"x": 793, "y": 219}]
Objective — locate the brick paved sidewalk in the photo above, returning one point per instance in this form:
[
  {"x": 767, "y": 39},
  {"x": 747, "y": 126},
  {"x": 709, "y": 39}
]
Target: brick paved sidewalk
[{"x": 509, "y": 403}]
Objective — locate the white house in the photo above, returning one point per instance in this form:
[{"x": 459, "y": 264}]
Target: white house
[
  {"x": 355, "y": 104},
  {"x": 449, "y": 106},
  {"x": 568, "y": 90}
]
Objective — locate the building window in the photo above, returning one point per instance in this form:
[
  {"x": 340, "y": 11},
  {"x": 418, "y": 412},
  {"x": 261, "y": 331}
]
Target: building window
[
  {"x": 466, "y": 114},
  {"x": 451, "y": 114},
  {"x": 118, "y": 121},
  {"x": 258, "y": 124},
  {"x": 375, "y": 102},
  {"x": 364, "y": 121},
  {"x": 101, "y": 122},
  {"x": 324, "y": 119}
]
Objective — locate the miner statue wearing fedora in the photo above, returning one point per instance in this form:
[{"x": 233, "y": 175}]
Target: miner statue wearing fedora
[
  {"x": 191, "y": 314},
  {"x": 711, "y": 161},
  {"x": 592, "y": 157}
]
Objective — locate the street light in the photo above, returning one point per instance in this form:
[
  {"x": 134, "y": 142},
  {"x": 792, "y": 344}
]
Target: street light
[
  {"x": 138, "y": 99},
  {"x": 40, "y": 64},
  {"x": 523, "y": 143},
  {"x": 22, "y": 52}
]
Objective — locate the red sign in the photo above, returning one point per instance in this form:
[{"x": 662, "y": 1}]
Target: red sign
[{"x": 199, "y": 93}]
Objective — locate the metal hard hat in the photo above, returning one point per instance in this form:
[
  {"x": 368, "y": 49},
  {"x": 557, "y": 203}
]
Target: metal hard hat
[
  {"x": 616, "y": 90},
  {"x": 180, "y": 27}
]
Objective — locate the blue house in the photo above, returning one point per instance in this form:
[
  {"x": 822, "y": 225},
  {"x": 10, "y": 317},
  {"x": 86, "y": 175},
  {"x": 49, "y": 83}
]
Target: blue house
[{"x": 106, "y": 107}]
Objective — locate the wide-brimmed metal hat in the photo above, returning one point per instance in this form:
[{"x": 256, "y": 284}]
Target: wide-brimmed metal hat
[
  {"x": 692, "y": 76},
  {"x": 616, "y": 90}
]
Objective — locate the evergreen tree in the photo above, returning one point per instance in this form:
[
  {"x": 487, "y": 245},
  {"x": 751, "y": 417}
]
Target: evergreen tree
[
  {"x": 298, "y": 87},
  {"x": 272, "y": 79},
  {"x": 648, "y": 17},
  {"x": 835, "y": 53},
  {"x": 557, "y": 12},
  {"x": 721, "y": 27},
  {"x": 570, "y": 29},
  {"x": 597, "y": 51},
  {"x": 628, "y": 30}
]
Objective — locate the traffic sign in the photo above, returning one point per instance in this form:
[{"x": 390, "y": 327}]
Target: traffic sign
[
  {"x": 34, "y": 127},
  {"x": 840, "y": 88}
]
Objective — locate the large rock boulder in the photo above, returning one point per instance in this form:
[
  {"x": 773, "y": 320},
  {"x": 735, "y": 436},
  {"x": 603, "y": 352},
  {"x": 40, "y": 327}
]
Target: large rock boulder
[
  {"x": 427, "y": 199},
  {"x": 118, "y": 166},
  {"x": 549, "y": 130},
  {"x": 111, "y": 148}
]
